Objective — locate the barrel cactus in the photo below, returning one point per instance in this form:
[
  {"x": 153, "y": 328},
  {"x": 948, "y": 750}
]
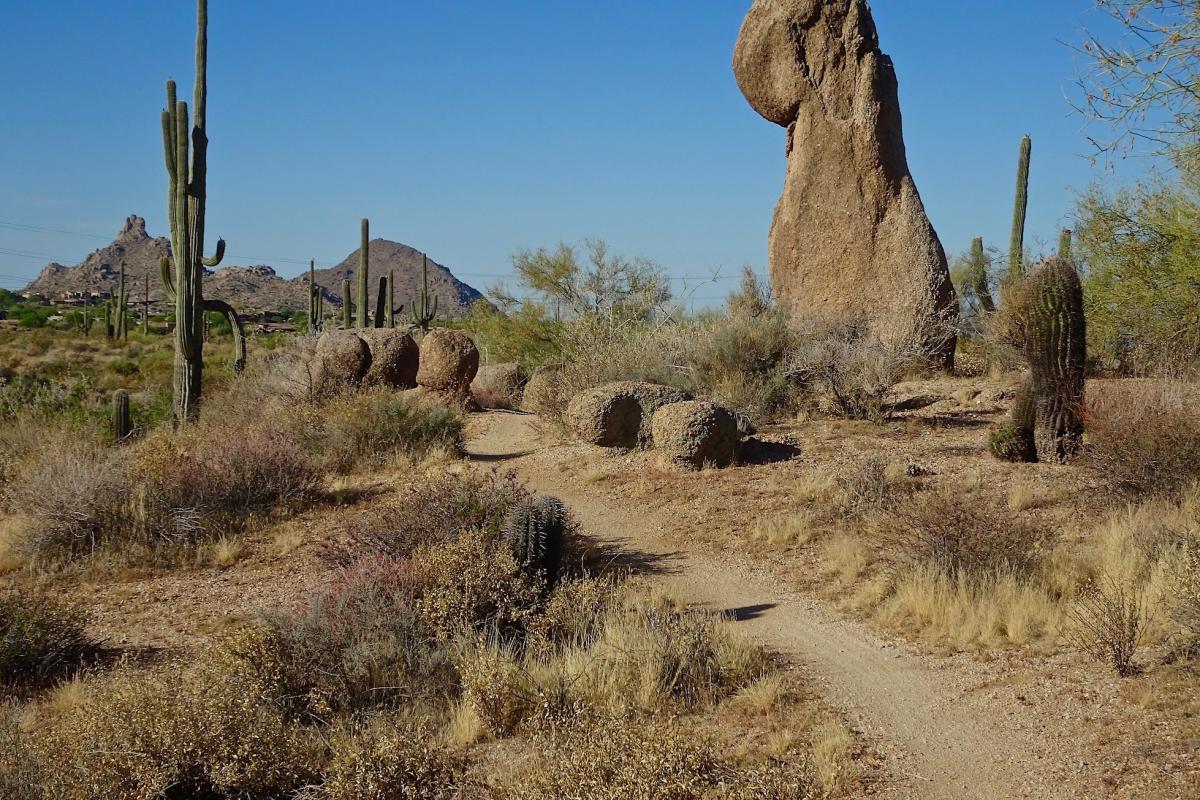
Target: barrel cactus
[
  {"x": 1056, "y": 346},
  {"x": 536, "y": 532}
]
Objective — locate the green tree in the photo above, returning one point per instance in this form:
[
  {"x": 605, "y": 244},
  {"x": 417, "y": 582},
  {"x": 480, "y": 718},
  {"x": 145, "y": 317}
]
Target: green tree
[
  {"x": 1141, "y": 251},
  {"x": 593, "y": 281}
]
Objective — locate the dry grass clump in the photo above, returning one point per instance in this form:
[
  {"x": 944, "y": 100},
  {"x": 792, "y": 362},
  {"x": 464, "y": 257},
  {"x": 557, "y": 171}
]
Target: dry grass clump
[
  {"x": 1144, "y": 435},
  {"x": 372, "y": 428},
  {"x": 613, "y": 757},
  {"x": 41, "y": 639}
]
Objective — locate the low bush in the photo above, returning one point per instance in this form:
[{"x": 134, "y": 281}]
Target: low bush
[
  {"x": 378, "y": 761},
  {"x": 357, "y": 644},
  {"x": 41, "y": 639},
  {"x": 430, "y": 511},
  {"x": 1144, "y": 435},
  {"x": 175, "y": 732},
  {"x": 207, "y": 479},
  {"x": 1110, "y": 620}
]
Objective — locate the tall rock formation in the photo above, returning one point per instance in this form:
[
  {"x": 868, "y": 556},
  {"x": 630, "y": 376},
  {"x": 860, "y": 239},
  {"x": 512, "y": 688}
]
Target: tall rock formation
[{"x": 850, "y": 235}]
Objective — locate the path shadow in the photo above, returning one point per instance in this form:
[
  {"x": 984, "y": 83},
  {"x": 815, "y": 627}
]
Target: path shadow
[
  {"x": 913, "y": 403},
  {"x": 746, "y": 613},
  {"x": 497, "y": 458},
  {"x": 954, "y": 420},
  {"x": 756, "y": 452},
  {"x": 621, "y": 557}
]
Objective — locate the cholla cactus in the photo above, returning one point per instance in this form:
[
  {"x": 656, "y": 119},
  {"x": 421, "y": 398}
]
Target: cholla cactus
[
  {"x": 1056, "y": 346},
  {"x": 536, "y": 533}
]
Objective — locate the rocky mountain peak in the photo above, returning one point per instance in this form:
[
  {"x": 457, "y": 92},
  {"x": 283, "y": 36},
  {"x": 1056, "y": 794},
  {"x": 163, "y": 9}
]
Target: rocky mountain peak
[{"x": 134, "y": 230}]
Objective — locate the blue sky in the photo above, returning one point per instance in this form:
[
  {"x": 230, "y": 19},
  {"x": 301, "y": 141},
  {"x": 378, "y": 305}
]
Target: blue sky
[{"x": 472, "y": 128}]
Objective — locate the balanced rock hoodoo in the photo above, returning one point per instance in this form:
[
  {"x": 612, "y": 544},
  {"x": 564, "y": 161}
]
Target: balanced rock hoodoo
[{"x": 850, "y": 236}]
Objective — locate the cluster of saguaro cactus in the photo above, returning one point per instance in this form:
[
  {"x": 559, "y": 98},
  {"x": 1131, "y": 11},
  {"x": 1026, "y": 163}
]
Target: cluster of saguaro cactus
[
  {"x": 536, "y": 534},
  {"x": 423, "y": 312},
  {"x": 363, "y": 269},
  {"x": 187, "y": 169},
  {"x": 1016, "y": 245},
  {"x": 316, "y": 300},
  {"x": 1056, "y": 346},
  {"x": 122, "y": 419}
]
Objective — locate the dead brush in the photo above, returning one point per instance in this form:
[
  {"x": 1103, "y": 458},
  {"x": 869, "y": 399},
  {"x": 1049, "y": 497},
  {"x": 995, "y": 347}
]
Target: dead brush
[
  {"x": 1144, "y": 436},
  {"x": 955, "y": 536},
  {"x": 1110, "y": 619}
]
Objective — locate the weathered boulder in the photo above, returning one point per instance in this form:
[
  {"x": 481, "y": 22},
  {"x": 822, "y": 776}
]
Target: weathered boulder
[
  {"x": 850, "y": 236},
  {"x": 619, "y": 414},
  {"x": 606, "y": 418},
  {"x": 499, "y": 385},
  {"x": 449, "y": 361},
  {"x": 696, "y": 433},
  {"x": 394, "y": 358},
  {"x": 543, "y": 392},
  {"x": 339, "y": 362}
]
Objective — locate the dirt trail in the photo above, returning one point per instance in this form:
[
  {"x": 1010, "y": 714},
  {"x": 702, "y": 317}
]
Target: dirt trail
[{"x": 942, "y": 734}]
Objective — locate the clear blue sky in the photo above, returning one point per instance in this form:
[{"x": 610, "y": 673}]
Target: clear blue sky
[{"x": 470, "y": 129}]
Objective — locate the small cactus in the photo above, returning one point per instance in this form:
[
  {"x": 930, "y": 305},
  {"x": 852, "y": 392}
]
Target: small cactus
[
  {"x": 1014, "y": 440},
  {"x": 316, "y": 300},
  {"x": 121, "y": 418},
  {"x": 1056, "y": 346},
  {"x": 536, "y": 532}
]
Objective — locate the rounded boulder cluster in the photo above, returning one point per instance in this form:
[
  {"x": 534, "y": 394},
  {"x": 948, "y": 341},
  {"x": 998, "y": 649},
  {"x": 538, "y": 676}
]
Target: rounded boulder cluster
[{"x": 695, "y": 434}]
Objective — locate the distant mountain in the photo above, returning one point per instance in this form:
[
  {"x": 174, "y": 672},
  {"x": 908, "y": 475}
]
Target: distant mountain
[{"x": 255, "y": 288}]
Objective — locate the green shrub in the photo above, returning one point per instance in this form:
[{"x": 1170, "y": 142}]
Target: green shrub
[
  {"x": 743, "y": 362},
  {"x": 123, "y": 366}
]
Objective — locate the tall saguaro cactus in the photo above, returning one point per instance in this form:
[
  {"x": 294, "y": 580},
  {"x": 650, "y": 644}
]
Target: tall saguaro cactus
[
  {"x": 381, "y": 295},
  {"x": 423, "y": 313},
  {"x": 347, "y": 322},
  {"x": 316, "y": 301},
  {"x": 1056, "y": 346},
  {"x": 390, "y": 310},
  {"x": 363, "y": 269},
  {"x": 1016, "y": 246},
  {"x": 188, "y": 173},
  {"x": 979, "y": 276}
]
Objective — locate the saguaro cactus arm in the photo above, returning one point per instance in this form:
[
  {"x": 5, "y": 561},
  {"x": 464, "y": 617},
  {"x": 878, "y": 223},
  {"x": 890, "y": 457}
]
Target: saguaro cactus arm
[{"x": 236, "y": 325}]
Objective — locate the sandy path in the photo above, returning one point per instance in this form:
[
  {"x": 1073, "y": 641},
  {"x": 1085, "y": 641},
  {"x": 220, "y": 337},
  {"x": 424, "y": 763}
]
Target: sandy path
[{"x": 943, "y": 736}]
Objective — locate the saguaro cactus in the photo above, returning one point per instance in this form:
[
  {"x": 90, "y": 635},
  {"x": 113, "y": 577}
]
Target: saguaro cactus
[
  {"x": 122, "y": 322},
  {"x": 363, "y": 269},
  {"x": 536, "y": 533},
  {"x": 422, "y": 312},
  {"x": 316, "y": 300},
  {"x": 347, "y": 322},
  {"x": 1064, "y": 244},
  {"x": 979, "y": 276},
  {"x": 188, "y": 173},
  {"x": 380, "y": 300},
  {"x": 122, "y": 420},
  {"x": 1056, "y": 346},
  {"x": 390, "y": 311},
  {"x": 1016, "y": 246}
]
